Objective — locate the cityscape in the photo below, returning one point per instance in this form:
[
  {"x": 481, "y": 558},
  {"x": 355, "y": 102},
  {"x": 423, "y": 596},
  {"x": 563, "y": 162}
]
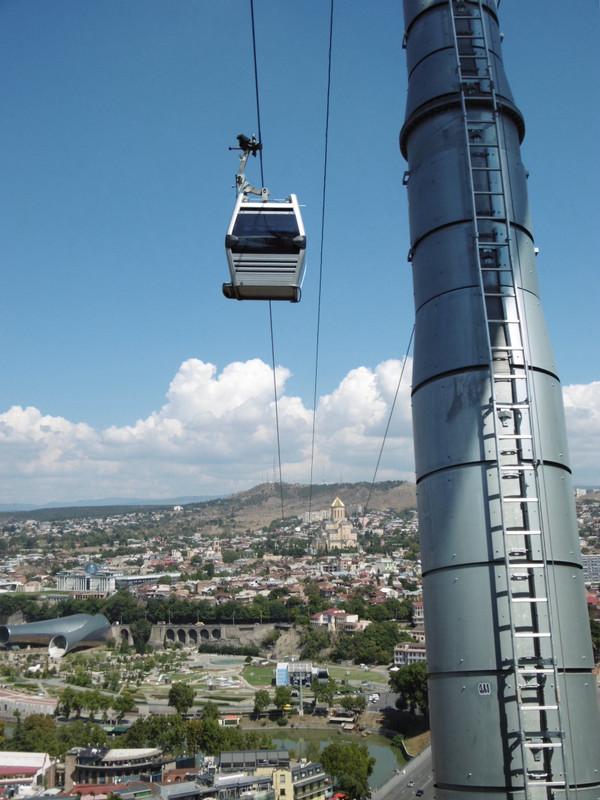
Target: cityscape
[
  {"x": 228, "y": 637},
  {"x": 437, "y": 640}
]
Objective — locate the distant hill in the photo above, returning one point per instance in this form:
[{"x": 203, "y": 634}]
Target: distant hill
[
  {"x": 263, "y": 503},
  {"x": 115, "y": 502},
  {"x": 252, "y": 508}
]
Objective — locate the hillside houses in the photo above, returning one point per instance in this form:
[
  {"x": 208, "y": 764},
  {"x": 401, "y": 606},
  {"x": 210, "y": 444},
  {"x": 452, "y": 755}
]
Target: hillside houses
[
  {"x": 160, "y": 553},
  {"x": 244, "y": 565}
]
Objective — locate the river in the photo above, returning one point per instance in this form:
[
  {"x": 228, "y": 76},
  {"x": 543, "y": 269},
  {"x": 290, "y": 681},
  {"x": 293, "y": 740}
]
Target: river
[{"x": 387, "y": 758}]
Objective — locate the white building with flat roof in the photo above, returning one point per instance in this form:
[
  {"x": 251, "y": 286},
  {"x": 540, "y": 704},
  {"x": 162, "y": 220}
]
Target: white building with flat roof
[{"x": 407, "y": 653}]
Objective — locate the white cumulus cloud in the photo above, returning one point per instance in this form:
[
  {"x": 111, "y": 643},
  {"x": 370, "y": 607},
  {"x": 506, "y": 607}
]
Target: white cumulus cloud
[
  {"x": 582, "y": 412},
  {"x": 216, "y": 434}
]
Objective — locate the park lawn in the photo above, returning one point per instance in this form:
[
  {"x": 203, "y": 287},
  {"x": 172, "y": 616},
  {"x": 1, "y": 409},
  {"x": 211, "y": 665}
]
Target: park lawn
[
  {"x": 258, "y": 676},
  {"x": 356, "y": 674}
]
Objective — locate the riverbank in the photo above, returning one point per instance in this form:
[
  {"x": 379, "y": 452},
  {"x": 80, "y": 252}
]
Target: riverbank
[{"x": 373, "y": 724}]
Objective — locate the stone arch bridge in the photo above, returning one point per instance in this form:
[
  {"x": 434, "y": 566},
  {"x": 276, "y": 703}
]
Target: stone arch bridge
[{"x": 166, "y": 633}]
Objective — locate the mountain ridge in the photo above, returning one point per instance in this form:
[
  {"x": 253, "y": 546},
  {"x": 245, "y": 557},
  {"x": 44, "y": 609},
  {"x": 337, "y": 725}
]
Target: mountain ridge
[{"x": 253, "y": 507}]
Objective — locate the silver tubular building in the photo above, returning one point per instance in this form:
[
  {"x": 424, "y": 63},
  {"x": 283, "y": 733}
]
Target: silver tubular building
[
  {"x": 513, "y": 700},
  {"x": 61, "y": 635}
]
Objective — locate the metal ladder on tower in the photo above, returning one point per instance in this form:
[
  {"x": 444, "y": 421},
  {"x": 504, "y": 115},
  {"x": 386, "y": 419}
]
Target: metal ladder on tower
[{"x": 530, "y": 659}]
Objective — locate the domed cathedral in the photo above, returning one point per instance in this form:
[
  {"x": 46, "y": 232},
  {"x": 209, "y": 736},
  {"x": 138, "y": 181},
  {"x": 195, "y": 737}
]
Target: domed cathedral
[{"x": 337, "y": 532}]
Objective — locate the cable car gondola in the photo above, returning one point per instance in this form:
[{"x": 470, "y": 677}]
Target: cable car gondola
[{"x": 265, "y": 243}]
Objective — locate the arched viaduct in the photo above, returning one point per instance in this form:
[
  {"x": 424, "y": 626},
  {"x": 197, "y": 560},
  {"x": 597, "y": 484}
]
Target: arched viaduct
[{"x": 165, "y": 634}]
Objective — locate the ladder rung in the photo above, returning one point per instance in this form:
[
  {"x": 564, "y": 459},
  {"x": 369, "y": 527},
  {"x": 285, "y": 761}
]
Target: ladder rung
[
  {"x": 518, "y": 532},
  {"x": 541, "y": 745},
  {"x": 514, "y": 436},
  {"x": 530, "y": 600},
  {"x": 506, "y": 348},
  {"x": 534, "y": 671},
  {"x": 530, "y": 707},
  {"x": 520, "y": 499},
  {"x": 517, "y": 467},
  {"x": 550, "y": 783},
  {"x": 527, "y": 565},
  {"x": 474, "y": 82},
  {"x": 521, "y": 635}
]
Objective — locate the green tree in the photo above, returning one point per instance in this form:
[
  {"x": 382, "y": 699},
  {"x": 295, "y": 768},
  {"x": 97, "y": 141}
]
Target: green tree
[
  {"x": 93, "y": 701},
  {"x": 213, "y": 737},
  {"x": 140, "y": 631},
  {"x": 122, "y": 607},
  {"x": 312, "y": 644},
  {"x": 112, "y": 680},
  {"x": 123, "y": 704},
  {"x": 81, "y": 677},
  {"x": 194, "y": 729},
  {"x": 374, "y": 645},
  {"x": 351, "y": 702},
  {"x": 411, "y": 684},
  {"x": 324, "y": 692},
  {"x": 315, "y": 601},
  {"x": 66, "y": 701},
  {"x": 181, "y": 697},
  {"x": 313, "y": 751},
  {"x": 165, "y": 731},
  {"x": 79, "y": 734},
  {"x": 39, "y": 731},
  {"x": 19, "y": 739},
  {"x": 261, "y": 701},
  {"x": 283, "y": 696},
  {"x": 210, "y": 711},
  {"x": 350, "y": 765}
]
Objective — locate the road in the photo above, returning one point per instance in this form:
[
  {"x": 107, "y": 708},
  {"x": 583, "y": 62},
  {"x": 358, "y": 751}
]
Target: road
[{"x": 419, "y": 770}]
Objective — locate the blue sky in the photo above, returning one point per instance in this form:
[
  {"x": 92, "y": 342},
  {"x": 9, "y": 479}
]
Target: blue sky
[{"x": 125, "y": 371}]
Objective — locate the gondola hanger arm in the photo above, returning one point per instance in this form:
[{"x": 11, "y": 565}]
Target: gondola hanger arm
[{"x": 248, "y": 146}]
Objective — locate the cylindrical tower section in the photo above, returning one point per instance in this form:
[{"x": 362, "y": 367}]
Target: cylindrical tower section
[{"x": 513, "y": 701}]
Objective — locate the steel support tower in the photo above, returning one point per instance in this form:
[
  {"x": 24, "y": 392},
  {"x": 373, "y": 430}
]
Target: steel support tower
[{"x": 513, "y": 696}]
